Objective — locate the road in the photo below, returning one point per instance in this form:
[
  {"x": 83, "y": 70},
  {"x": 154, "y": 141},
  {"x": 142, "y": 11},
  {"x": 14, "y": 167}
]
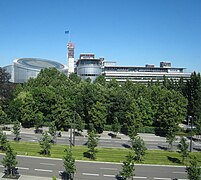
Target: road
[
  {"x": 48, "y": 167},
  {"x": 151, "y": 141}
]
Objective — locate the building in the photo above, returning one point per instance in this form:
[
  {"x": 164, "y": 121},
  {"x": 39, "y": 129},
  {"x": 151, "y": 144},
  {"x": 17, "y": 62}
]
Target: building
[
  {"x": 90, "y": 67},
  {"x": 25, "y": 68},
  {"x": 87, "y": 66},
  {"x": 144, "y": 74},
  {"x": 71, "y": 60}
]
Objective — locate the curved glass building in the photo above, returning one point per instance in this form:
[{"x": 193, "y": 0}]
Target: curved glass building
[{"x": 25, "y": 68}]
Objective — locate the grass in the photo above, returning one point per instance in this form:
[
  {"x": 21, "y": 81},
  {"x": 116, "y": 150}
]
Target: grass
[{"x": 161, "y": 157}]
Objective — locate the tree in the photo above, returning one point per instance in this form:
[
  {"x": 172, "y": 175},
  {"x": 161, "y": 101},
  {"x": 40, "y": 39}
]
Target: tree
[
  {"x": 139, "y": 148},
  {"x": 171, "y": 136},
  {"x": 171, "y": 111},
  {"x": 193, "y": 170},
  {"x": 69, "y": 164},
  {"x": 128, "y": 167},
  {"x": 10, "y": 162},
  {"x": 92, "y": 143},
  {"x": 183, "y": 147},
  {"x": 3, "y": 141},
  {"x": 133, "y": 119},
  {"x": 16, "y": 130},
  {"x": 3, "y": 117},
  {"x": 79, "y": 123},
  {"x": 98, "y": 116},
  {"x": 116, "y": 126},
  {"x": 45, "y": 143},
  {"x": 52, "y": 130}
]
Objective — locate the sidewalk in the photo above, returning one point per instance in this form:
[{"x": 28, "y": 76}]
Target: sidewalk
[{"x": 25, "y": 177}]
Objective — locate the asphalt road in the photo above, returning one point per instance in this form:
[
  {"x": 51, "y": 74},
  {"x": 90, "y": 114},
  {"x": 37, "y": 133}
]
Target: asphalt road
[
  {"x": 110, "y": 143},
  {"x": 47, "y": 167},
  {"x": 151, "y": 141}
]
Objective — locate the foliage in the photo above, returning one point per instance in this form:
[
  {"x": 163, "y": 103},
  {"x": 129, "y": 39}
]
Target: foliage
[
  {"x": 171, "y": 136},
  {"x": 183, "y": 147},
  {"x": 170, "y": 112},
  {"x": 16, "y": 130},
  {"x": 10, "y": 162},
  {"x": 128, "y": 167},
  {"x": 194, "y": 170},
  {"x": 3, "y": 141},
  {"x": 116, "y": 125},
  {"x": 79, "y": 122},
  {"x": 3, "y": 117},
  {"x": 139, "y": 148},
  {"x": 45, "y": 143},
  {"x": 52, "y": 130},
  {"x": 69, "y": 163},
  {"x": 98, "y": 116},
  {"x": 92, "y": 143}
]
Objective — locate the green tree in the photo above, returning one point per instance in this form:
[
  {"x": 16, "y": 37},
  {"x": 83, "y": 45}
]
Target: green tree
[
  {"x": 3, "y": 117},
  {"x": 128, "y": 167},
  {"x": 10, "y": 162},
  {"x": 98, "y": 116},
  {"x": 3, "y": 141},
  {"x": 79, "y": 123},
  {"x": 171, "y": 136},
  {"x": 171, "y": 111},
  {"x": 69, "y": 164},
  {"x": 116, "y": 126},
  {"x": 133, "y": 119},
  {"x": 139, "y": 148},
  {"x": 45, "y": 143},
  {"x": 193, "y": 170},
  {"x": 52, "y": 131},
  {"x": 16, "y": 130},
  {"x": 92, "y": 143},
  {"x": 183, "y": 148},
  {"x": 193, "y": 94}
]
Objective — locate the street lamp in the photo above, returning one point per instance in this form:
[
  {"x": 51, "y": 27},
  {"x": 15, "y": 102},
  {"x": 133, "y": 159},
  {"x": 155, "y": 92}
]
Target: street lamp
[
  {"x": 72, "y": 131},
  {"x": 191, "y": 140}
]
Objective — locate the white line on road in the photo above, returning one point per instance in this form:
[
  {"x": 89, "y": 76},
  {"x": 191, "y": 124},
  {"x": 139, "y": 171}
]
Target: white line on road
[
  {"x": 107, "y": 175},
  {"x": 43, "y": 170},
  {"x": 113, "y": 169},
  {"x": 139, "y": 177},
  {"x": 89, "y": 174},
  {"x": 23, "y": 168},
  {"x": 103, "y": 141},
  {"x": 162, "y": 178},
  {"x": 49, "y": 164},
  {"x": 179, "y": 172}
]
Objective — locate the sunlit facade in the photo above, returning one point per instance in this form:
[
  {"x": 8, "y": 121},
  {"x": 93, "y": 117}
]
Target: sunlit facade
[{"x": 25, "y": 68}]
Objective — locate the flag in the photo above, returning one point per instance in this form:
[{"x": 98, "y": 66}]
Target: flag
[{"x": 66, "y": 32}]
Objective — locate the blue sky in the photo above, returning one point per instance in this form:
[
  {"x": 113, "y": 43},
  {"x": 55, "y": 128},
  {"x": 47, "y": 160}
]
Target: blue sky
[{"x": 131, "y": 32}]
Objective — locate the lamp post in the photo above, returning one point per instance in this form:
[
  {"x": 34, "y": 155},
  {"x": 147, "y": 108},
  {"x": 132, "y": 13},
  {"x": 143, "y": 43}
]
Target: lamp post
[{"x": 191, "y": 140}]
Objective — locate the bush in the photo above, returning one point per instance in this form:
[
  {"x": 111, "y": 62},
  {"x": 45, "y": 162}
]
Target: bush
[
  {"x": 147, "y": 129},
  {"x": 107, "y": 127}
]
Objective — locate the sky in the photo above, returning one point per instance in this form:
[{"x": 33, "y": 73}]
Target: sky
[{"x": 130, "y": 32}]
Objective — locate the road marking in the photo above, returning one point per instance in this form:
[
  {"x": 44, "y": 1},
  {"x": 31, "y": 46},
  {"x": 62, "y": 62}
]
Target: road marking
[
  {"x": 107, "y": 175},
  {"x": 150, "y": 143},
  {"x": 23, "y": 168},
  {"x": 102, "y": 141},
  {"x": 113, "y": 169},
  {"x": 49, "y": 164},
  {"x": 139, "y": 177},
  {"x": 43, "y": 170},
  {"x": 89, "y": 174},
  {"x": 162, "y": 178},
  {"x": 179, "y": 172}
]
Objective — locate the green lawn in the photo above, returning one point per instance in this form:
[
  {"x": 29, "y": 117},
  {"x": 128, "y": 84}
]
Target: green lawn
[{"x": 104, "y": 154}]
